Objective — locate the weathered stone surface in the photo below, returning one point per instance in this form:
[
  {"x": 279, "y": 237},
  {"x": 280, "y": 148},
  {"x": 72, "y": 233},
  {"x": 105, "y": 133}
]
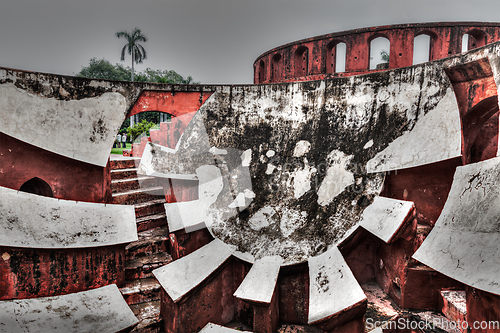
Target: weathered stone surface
[
  {"x": 385, "y": 217},
  {"x": 182, "y": 275},
  {"x": 464, "y": 243},
  {"x": 80, "y": 129},
  {"x": 332, "y": 288},
  {"x": 98, "y": 310},
  {"x": 260, "y": 283},
  {"x": 29, "y": 220}
]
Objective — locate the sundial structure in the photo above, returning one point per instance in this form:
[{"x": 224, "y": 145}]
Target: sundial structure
[{"x": 293, "y": 175}]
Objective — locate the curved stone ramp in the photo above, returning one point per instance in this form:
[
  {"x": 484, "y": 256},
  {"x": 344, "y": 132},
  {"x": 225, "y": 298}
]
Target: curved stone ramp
[
  {"x": 387, "y": 218},
  {"x": 315, "y": 151},
  {"x": 465, "y": 242},
  {"x": 260, "y": 282},
  {"x": 183, "y": 275},
  {"x": 100, "y": 310},
  {"x": 214, "y": 328},
  {"x": 32, "y": 221},
  {"x": 83, "y": 129},
  {"x": 333, "y": 289}
]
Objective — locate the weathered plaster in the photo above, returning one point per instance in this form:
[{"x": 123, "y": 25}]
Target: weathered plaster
[
  {"x": 33, "y": 221},
  {"x": 465, "y": 242},
  {"x": 260, "y": 283},
  {"x": 80, "y": 129},
  {"x": 181, "y": 276},
  {"x": 98, "y": 310},
  {"x": 214, "y": 328},
  {"x": 385, "y": 217},
  {"x": 332, "y": 286}
]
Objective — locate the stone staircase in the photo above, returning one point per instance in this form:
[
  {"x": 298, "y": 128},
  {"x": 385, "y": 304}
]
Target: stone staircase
[{"x": 141, "y": 290}]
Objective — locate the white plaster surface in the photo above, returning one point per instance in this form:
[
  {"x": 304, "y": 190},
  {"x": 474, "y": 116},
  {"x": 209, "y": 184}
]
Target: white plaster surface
[
  {"x": 437, "y": 136},
  {"x": 146, "y": 165},
  {"x": 214, "y": 328},
  {"x": 260, "y": 282},
  {"x": 332, "y": 288},
  {"x": 32, "y": 221},
  {"x": 98, "y": 310},
  {"x": 337, "y": 177},
  {"x": 301, "y": 148},
  {"x": 385, "y": 217},
  {"x": 181, "y": 276},
  {"x": 80, "y": 129},
  {"x": 465, "y": 242}
]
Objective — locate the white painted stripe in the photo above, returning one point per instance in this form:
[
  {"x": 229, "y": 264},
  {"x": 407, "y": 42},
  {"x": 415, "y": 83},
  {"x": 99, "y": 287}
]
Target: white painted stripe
[
  {"x": 259, "y": 284},
  {"x": 332, "y": 286},
  {"x": 385, "y": 217},
  {"x": 465, "y": 242},
  {"x": 183, "y": 275},
  {"x": 100, "y": 310},
  {"x": 33, "y": 221}
]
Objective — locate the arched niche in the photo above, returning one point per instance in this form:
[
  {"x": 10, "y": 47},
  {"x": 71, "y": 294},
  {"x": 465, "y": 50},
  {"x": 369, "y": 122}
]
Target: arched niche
[
  {"x": 261, "y": 74},
  {"x": 380, "y": 47},
  {"x": 301, "y": 61},
  {"x": 335, "y": 57},
  {"x": 37, "y": 186},
  {"x": 276, "y": 67},
  {"x": 423, "y": 47}
]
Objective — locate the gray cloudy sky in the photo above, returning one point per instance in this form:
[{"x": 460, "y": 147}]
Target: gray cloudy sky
[{"x": 214, "y": 41}]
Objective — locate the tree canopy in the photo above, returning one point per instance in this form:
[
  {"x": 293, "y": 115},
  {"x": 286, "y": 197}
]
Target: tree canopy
[
  {"x": 103, "y": 69},
  {"x": 133, "y": 47}
]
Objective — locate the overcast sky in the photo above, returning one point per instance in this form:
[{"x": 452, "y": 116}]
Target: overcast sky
[{"x": 214, "y": 41}]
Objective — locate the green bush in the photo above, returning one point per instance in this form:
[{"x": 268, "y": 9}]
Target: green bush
[{"x": 139, "y": 130}]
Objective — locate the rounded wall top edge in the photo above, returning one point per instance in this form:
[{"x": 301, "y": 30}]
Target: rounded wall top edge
[{"x": 379, "y": 28}]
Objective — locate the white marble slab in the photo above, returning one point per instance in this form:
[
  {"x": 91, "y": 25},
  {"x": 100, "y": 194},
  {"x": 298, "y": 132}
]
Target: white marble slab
[
  {"x": 436, "y": 136},
  {"x": 183, "y": 275},
  {"x": 465, "y": 242},
  {"x": 83, "y": 129},
  {"x": 260, "y": 282},
  {"x": 214, "y": 328},
  {"x": 385, "y": 217},
  {"x": 33, "y": 221},
  {"x": 181, "y": 215},
  {"x": 100, "y": 310},
  {"x": 332, "y": 286}
]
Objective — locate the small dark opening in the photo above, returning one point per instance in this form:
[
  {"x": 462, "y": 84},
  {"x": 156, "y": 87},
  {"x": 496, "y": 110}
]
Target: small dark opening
[{"x": 37, "y": 186}]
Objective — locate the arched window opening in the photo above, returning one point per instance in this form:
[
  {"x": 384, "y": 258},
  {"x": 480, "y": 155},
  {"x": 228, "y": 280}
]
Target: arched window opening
[
  {"x": 476, "y": 39},
  {"x": 276, "y": 68},
  {"x": 335, "y": 58},
  {"x": 421, "y": 49},
  {"x": 380, "y": 53},
  {"x": 302, "y": 61},
  {"x": 341, "y": 57},
  {"x": 262, "y": 71},
  {"x": 465, "y": 43},
  {"x": 37, "y": 186},
  {"x": 480, "y": 131}
]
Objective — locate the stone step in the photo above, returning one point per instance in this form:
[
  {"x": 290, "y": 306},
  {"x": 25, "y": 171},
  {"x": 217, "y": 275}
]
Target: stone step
[
  {"x": 124, "y": 163},
  {"x": 150, "y": 242},
  {"x": 127, "y": 184},
  {"x": 123, "y": 173},
  {"x": 140, "y": 268},
  {"x": 152, "y": 221},
  {"x": 152, "y": 207},
  {"x": 133, "y": 197},
  {"x": 452, "y": 304},
  {"x": 141, "y": 291},
  {"x": 148, "y": 314}
]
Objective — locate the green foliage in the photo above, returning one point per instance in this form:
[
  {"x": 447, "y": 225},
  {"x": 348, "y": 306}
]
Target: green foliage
[
  {"x": 103, "y": 69},
  {"x": 384, "y": 56},
  {"x": 140, "y": 129}
]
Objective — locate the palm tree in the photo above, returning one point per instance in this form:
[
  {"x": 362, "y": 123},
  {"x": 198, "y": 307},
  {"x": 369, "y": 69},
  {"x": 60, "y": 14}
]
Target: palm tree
[{"x": 133, "y": 47}]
